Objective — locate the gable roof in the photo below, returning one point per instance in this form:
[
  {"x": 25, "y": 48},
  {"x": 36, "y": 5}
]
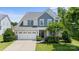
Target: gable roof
[
  {"x": 50, "y": 11},
  {"x": 31, "y": 15},
  {"x": 2, "y": 16},
  {"x": 35, "y": 15}
]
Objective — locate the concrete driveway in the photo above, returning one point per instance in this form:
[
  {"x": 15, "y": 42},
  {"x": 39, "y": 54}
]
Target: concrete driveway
[{"x": 22, "y": 45}]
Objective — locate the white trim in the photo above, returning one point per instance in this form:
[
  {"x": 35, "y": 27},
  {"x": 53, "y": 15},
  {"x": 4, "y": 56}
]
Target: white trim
[{"x": 41, "y": 20}]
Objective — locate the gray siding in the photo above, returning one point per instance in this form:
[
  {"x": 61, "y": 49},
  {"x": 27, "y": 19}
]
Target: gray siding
[{"x": 45, "y": 16}]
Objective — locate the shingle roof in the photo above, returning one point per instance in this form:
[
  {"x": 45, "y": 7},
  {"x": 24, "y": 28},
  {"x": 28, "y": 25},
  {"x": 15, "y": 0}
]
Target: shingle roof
[{"x": 32, "y": 15}]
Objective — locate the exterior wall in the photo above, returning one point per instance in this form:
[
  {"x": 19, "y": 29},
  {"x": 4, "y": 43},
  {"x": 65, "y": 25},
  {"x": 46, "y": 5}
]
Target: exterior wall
[
  {"x": 26, "y": 29},
  {"x": 5, "y": 23},
  {"x": 57, "y": 18},
  {"x": 0, "y": 28},
  {"x": 29, "y": 28},
  {"x": 35, "y": 27},
  {"x": 25, "y": 22},
  {"x": 35, "y": 22},
  {"x": 45, "y": 16},
  {"x": 0, "y": 32}
]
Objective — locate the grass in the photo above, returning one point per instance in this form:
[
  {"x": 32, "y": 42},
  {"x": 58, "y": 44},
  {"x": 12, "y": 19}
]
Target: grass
[
  {"x": 44, "y": 47},
  {"x": 3, "y": 45},
  {"x": 74, "y": 46},
  {"x": 1, "y": 38}
]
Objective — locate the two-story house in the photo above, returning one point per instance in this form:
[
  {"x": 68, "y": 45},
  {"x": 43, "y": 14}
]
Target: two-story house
[
  {"x": 34, "y": 24},
  {"x": 4, "y": 23}
]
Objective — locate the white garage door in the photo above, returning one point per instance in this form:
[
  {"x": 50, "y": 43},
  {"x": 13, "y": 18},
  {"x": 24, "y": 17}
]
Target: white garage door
[{"x": 28, "y": 35}]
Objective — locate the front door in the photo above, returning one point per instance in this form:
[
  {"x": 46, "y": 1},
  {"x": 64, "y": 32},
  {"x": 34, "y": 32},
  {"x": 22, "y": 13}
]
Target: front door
[{"x": 41, "y": 33}]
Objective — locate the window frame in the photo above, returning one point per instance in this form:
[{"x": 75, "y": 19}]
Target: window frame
[
  {"x": 49, "y": 21},
  {"x": 30, "y": 22},
  {"x": 41, "y": 20},
  {"x": 56, "y": 20},
  {"x": 0, "y": 27}
]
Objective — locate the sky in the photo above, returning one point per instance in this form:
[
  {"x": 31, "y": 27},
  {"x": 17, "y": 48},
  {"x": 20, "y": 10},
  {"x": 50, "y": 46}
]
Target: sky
[{"x": 16, "y": 13}]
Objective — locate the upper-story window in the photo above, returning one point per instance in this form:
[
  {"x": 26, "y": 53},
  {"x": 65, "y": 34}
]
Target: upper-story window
[
  {"x": 30, "y": 22},
  {"x": 48, "y": 21},
  {"x": 41, "y": 22}
]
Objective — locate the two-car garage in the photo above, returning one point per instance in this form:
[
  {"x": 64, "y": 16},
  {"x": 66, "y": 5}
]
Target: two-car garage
[
  {"x": 29, "y": 33},
  {"x": 26, "y": 35}
]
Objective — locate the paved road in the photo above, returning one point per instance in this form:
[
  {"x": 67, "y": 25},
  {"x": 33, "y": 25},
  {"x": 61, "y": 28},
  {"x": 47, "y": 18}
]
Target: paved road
[{"x": 22, "y": 45}]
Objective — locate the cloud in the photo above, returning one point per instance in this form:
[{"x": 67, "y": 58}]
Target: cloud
[{"x": 13, "y": 17}]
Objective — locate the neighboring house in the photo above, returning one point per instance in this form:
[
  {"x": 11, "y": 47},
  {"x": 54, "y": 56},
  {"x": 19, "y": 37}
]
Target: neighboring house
[
  {"x": 34, "y": 24},
  {"x": 4, "y": 23}
]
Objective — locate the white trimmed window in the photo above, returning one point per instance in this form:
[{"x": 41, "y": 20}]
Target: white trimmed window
[
  {"x": 20, "y": 32},
  {"x": 34, "y": 32},
  {"x": 30, "y": 22},
  {"x": 41, "y": 22},
  {"x": 48, "y": 21},
  {"x": 29, "y": 32}
]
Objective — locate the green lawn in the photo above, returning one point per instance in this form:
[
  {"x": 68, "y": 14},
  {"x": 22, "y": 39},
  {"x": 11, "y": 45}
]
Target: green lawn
[
  {"x": 3, "y": 45},
  {"x": 74, "y": 46},
  {"x": 1, "y": 38}
]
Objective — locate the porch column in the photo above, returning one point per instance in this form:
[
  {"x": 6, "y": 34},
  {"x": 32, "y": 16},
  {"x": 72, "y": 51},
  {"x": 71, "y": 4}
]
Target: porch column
[
  {"x": 38, "y": 33},
  {"x": 47, "y": 33}
]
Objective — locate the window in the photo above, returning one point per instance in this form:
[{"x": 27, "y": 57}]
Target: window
[
  {"x": 24, "y": 32},
  {"x": 30, "y": 22},
  {"x": 21, "y": 23},
  {"x": 56, "y": 20},
  {"x": 41, "y": 22},
  {"x": 29, "y": 32},
  {"x": 34, "y": 32},
  {"x": 48, "y": 21},
  {"x": 0, "y": 27},
  {"x": 20, "y": 32}
]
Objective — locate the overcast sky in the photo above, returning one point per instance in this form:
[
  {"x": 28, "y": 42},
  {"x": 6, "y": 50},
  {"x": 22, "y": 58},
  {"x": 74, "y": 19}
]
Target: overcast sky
[{"x": 16, "y": 13}]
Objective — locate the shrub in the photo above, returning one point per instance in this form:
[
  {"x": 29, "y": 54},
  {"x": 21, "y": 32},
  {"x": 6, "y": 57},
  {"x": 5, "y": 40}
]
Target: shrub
[
  {"x": 51, "y": 39},
  {"x": 65, "y": 37},
  {"x": 9, "y": 35},
  {"x": 57, "y": 38},
  {"x": 38, "y": 38}
]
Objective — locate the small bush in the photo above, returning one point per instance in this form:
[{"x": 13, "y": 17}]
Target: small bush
[
  {"x": 56, "y": 39},
  {"x": 9, "y": 35},
  {"x": 38, "y": 38},
  {"x": 65, "y": 37},
  {"x": 51, "y": 39}
]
